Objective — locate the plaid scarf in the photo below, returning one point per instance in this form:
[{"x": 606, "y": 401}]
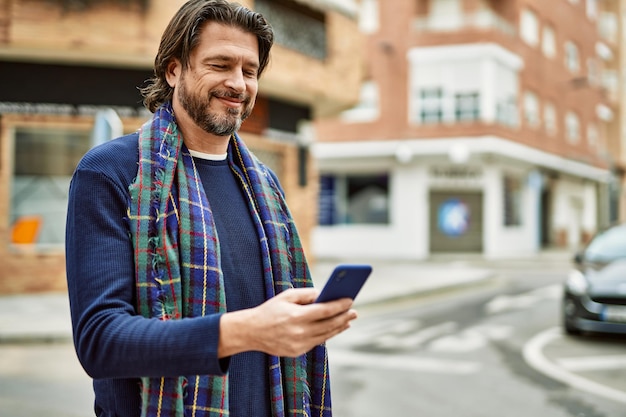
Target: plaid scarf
[{"x": 178, "y": 273}]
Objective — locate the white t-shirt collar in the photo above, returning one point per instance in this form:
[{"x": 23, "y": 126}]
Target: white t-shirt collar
[{"x": 208, "y": 156}]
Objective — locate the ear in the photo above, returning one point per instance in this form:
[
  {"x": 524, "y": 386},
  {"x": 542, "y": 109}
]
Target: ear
[{"x": 172, "y": 74}]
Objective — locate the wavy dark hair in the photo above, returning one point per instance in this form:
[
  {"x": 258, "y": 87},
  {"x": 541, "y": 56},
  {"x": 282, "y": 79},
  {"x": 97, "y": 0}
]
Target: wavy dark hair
[{"x": 182, "y": 35}]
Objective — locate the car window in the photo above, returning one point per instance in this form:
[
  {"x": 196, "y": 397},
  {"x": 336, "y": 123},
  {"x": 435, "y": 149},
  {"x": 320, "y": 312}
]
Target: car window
[{"x": 607, "y": 246}]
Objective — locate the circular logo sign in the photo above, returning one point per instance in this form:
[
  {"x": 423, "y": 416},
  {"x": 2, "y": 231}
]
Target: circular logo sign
[{"x": 453, "y": 217}]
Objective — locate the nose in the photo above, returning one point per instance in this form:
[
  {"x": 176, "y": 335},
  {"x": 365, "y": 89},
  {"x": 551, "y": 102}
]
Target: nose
[{"x": 236, "y": 81}]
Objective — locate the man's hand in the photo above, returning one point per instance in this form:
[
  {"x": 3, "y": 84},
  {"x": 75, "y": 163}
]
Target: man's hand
[{"x": 289, "y": 324}]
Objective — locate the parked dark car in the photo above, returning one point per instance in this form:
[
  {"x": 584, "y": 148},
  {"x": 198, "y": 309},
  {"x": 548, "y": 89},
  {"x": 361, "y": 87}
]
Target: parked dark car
[{"x": 594, "y": 298}]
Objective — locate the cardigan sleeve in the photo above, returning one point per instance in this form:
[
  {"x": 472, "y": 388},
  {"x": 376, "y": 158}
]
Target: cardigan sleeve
[{"x": 111, "y": 339}]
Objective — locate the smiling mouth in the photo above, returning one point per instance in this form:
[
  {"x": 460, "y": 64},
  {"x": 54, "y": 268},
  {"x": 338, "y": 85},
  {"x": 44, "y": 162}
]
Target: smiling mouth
[{"x": 231, "y": 101}]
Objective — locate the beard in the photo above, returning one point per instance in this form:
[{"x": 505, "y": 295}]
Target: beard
[{"x": 219, "y": 124}]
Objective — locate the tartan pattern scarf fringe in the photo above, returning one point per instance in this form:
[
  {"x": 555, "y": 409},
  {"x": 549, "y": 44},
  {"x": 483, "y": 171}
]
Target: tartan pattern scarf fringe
[{"x": 178, "y": 273}]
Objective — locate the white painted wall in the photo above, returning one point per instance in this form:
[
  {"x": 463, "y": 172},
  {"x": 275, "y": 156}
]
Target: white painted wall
[
  {"x": 574, "y": 206},
  {"x": 492, "y": 210},
  {"x": 575, "y": 209},
  {"x": 509, "y": 241},
  {"x": 410, "y": 206},
  {"x": 590, "y": 207}
]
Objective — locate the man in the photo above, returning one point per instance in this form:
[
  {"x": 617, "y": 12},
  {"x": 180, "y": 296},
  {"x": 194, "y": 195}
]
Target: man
[{"x": 189, "y": 291}]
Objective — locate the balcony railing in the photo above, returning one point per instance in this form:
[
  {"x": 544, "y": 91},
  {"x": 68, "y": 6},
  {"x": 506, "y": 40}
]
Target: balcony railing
[
  {"x": 85, "y": 4},
  {"x": 296, "y": 26},
  {"x": 484, "y": 19}
]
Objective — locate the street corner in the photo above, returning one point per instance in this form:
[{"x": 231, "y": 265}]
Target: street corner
[{"x": 576, "y": 361}]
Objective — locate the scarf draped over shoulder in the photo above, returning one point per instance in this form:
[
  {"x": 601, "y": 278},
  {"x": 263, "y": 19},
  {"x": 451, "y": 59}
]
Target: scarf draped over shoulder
[{"x": 178, "y": 272}]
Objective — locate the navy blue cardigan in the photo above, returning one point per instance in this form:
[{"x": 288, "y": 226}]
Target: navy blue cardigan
[{"x": 114, "y": 344}]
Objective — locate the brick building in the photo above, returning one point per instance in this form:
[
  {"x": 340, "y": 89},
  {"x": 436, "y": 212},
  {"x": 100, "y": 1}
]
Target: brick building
[
  {"x": 484, "y": 126},
  {"x": 67, "y": 66}
]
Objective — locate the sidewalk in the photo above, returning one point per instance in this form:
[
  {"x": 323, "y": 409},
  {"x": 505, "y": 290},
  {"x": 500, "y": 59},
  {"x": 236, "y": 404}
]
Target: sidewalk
[
  {"x": 45, "y": 317},
  {"x": 396, "y": 280},
  {"x": 392, "y": 281}
]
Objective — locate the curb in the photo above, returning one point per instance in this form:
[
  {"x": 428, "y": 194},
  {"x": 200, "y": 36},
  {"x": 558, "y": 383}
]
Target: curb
[
  {"x": 441, "y": 290},
  {"x": 34, "y": 339}
]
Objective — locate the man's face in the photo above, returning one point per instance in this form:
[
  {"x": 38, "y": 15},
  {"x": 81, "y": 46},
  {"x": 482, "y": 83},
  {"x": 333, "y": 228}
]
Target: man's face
[{"x": 218, "y": 88}]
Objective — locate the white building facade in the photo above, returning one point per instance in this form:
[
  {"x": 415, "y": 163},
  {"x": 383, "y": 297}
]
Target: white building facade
[
  {"x": 473, "y": 136},
  {"x": 482, "y": 195}
]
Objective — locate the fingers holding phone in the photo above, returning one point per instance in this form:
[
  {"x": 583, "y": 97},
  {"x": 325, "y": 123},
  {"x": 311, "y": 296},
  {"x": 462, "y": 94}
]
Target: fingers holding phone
[
  {"x": 296, "y": 320},
  {"x": 290, "y": 324}
]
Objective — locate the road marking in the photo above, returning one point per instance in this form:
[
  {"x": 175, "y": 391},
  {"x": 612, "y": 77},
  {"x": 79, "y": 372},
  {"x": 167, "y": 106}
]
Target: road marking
[
  {"x": 404, "y": 326},
  {"x": 521, "y": 301},
  {"x": 402, "y": 363},
  {"x": 378, "y": 333},
  {"x": 428, "y": 333},
  {"x": 470, "y": 339},
  {"x": 593, "y": 363},
  {"x": 414, "y": 340},
  {"x": 462, "y": 342},
  {"x": 533, "y": 354}
]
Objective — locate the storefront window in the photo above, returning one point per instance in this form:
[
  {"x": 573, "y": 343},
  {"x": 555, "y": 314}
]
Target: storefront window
[
  {"x": 354, "y": 199},
  {"x": 44, "y": 162}
]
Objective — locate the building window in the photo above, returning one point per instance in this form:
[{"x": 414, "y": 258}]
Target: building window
[
  {"x": 431, "y": 105},
  {"x": 549, "y": 119},
  {"x": 512, "y": 201},
  {"x": 548, "y": 42},
  {"x": 284, "y": 116},
  {"x": 610, "y": 81},
  {"x": 592, "y": 9},
  {"x": 531, "y": 109},
  {"x": 467, "y": 106},
  {"x": 593, "y": 136},
  {"x": 593, "y": 73},
  {"x": 369, "y": 16},
  {"x": 529, "y": 27},
  {"x": 445, "y": 15},
  {"x": 354, "y": 199},
  {"x": 608, "y": 26},
  {"x": 572, "y": 57},
  {"x": 507, "y": 112},
  {"x": 572, "y": 127},
  {"x": 44, "y": 162}
]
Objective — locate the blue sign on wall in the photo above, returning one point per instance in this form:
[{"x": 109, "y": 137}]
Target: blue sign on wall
[{"x": 453, "y": 217}]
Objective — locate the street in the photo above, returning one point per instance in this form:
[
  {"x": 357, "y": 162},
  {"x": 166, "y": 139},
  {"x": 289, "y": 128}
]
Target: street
[
  {"x": 465, "y": 354},
  {"x": 485, "y": 351}
]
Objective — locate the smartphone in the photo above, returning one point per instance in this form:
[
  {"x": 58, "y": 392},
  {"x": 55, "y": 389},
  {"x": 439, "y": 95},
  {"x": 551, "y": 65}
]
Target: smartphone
[{"x": 345, "y": 282}]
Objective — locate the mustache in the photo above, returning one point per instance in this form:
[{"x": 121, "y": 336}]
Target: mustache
[{"x": 229, "y": 94}]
